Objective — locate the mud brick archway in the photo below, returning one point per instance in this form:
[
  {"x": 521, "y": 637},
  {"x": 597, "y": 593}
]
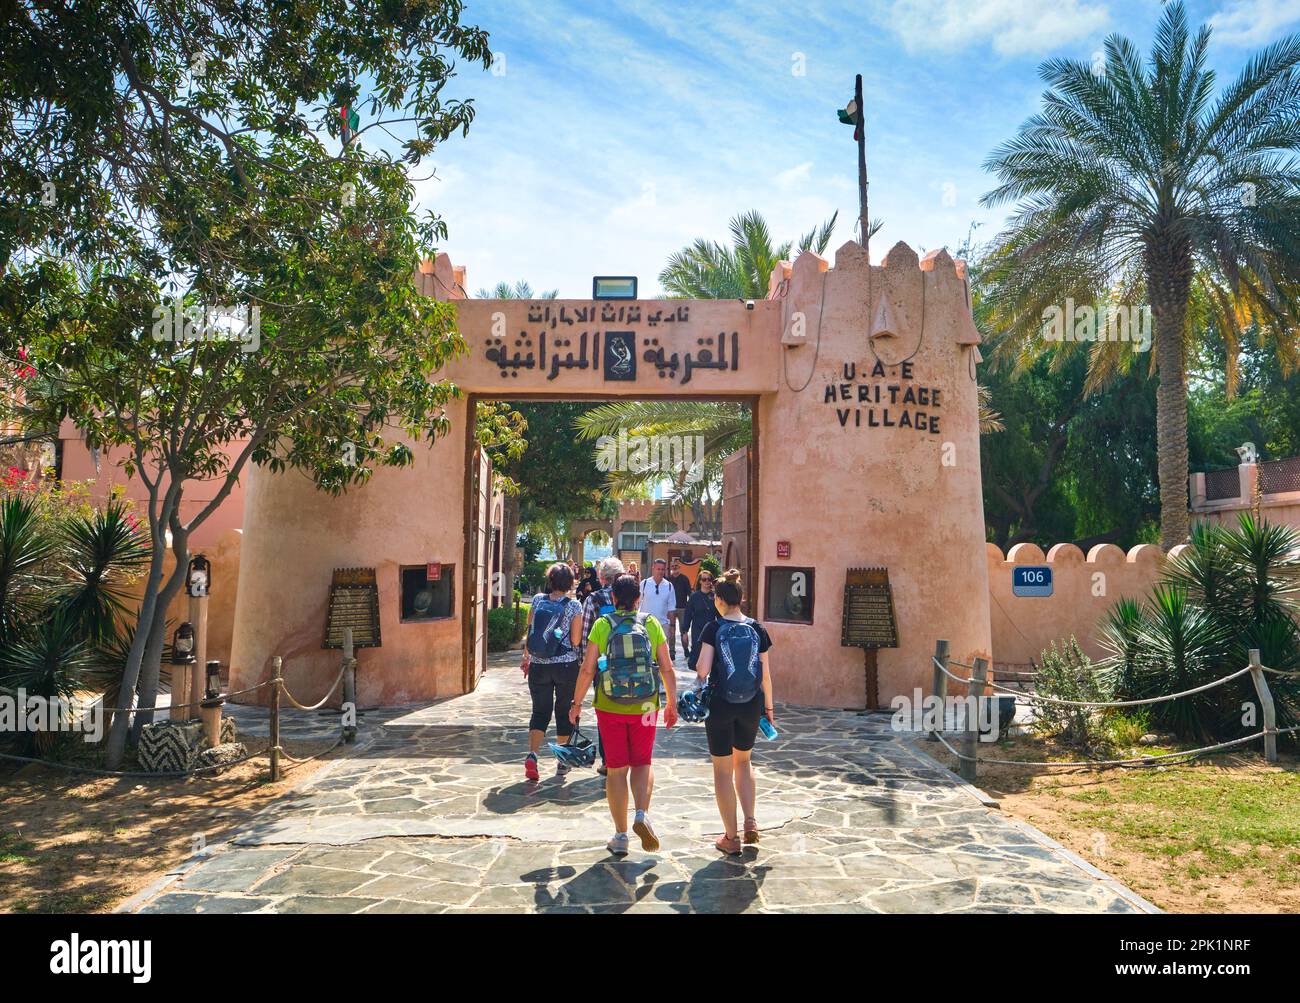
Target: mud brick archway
[{"x": 866, "y": 454}]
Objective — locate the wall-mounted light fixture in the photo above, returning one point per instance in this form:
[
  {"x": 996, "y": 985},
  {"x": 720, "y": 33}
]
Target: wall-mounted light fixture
[{"x": 613, "y": 287}]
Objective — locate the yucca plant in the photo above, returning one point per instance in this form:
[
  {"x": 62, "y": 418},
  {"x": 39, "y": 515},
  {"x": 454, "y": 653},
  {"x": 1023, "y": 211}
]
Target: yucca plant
[
  {"x": 47, "y": 661},
  {"x": 63, "y": 600},
  {"x": 1182, "y": 646},
  {"x": 1120, "y": 634},
  {"x": 101, "y": 552},
  {"x": 26, "y": 548}
]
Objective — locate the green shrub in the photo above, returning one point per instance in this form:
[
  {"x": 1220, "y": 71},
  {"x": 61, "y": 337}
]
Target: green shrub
[
  {"x": 1228, "y": 591},
  {"x": 711, "y": 564},
  {"x": 503, "y": 628},
  {"x": 1125, "y": 729},
  {"x": 1068, "y": 674}
]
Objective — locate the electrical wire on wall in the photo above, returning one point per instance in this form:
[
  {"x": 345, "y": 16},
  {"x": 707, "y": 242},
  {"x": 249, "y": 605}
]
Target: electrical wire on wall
[
  {"x": 817, "y": 344},
  {"x": 920, "y": 341}
]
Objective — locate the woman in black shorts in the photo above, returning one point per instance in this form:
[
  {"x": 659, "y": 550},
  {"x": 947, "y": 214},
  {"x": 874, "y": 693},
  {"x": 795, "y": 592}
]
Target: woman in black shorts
[{"x": 733, "y": 658}]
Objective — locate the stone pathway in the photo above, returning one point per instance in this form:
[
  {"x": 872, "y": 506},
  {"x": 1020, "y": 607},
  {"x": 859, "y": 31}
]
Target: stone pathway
[{"x": 431, "y": 813}]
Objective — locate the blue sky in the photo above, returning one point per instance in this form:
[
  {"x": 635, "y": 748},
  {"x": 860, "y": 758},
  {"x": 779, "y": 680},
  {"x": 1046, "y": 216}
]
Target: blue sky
[{"x": 611, "y": 135}]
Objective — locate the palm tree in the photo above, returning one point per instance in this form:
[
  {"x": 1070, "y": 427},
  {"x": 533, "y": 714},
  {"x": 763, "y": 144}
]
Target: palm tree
[
  {"x": 722, "y": 427},
  {"x": 706, "y": 270},
  {"x": 521, "y": 290},
  {"x": 1136, "y": 180}
]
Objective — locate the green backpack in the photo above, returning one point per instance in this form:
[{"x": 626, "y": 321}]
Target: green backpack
[{"x": 630, "y": 675}]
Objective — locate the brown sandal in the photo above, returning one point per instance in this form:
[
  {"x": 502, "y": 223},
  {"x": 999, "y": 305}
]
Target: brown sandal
[
  {"x": 728, "y": 844},
  {"x": 751, "y": 831}
]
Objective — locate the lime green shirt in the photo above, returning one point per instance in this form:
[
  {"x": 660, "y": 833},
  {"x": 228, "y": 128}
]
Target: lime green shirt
[{"x": 599, "y": 636}]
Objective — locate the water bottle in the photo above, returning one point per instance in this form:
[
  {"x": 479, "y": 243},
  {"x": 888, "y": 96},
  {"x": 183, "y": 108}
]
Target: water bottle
[
  {"x": 600, "y": 664},
  {"x": 766, "y": 727}
]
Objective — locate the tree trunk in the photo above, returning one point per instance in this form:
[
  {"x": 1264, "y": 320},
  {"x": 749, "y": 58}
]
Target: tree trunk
[
  {"x": 151, "y": 664},
  {"x": 1169, "y": 276},
  {"x": 509, "y": 540},
  {"x": 117, "y": 732}
]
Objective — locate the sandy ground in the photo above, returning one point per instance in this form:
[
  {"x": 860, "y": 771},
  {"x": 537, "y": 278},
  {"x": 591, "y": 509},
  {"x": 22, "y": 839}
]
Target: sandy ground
[
  {"x": 79, "y": 844},
  {"x": 1218, "y": 836}
]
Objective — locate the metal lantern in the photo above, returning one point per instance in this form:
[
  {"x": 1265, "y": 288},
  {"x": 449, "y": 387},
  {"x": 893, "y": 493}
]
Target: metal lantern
[
  {"x": 183, "y": 644},
  {"x": 199, "y": 578},
  {"x": 213, "y": 677}
]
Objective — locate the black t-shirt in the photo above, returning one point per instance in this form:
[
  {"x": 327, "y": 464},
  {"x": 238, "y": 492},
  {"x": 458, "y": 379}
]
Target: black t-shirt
[
  {"x": 710, "y": 635},
  {"x": 682, "y": 586}
]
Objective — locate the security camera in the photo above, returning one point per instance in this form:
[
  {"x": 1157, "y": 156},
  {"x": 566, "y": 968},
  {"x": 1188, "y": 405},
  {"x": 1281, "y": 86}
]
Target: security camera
[{"x": 749, "y": 304}]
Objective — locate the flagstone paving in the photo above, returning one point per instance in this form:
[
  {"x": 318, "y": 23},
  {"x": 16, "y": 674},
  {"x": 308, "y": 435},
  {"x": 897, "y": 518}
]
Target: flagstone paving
[{"x": 431, "y": 813}]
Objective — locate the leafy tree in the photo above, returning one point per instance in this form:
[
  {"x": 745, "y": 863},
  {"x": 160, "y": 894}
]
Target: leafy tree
[
  {"x": 158, "y": 162},
  {"x": 558, "y": 480},
  {"x": 1138, "y": 181}
]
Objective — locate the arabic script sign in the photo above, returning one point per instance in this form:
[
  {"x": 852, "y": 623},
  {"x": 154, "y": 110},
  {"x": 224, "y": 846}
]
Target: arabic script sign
[{"x": 562, "y": 338}]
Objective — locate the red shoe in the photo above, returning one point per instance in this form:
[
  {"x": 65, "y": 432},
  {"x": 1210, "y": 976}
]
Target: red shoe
[{"x": 530, "y": 768}]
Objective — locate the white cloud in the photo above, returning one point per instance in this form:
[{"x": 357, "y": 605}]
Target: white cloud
[
  {"x": 795, "y": 177},
  {"x": 1013, "y": 27},
  {"x": 1253, "y": 22}
]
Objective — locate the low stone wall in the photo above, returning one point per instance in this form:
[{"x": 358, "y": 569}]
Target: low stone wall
[{"x": 1084, "y": 590}]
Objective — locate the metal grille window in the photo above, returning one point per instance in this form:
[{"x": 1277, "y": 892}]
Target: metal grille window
[
  {"x": 1280, "y": 476},
  {"x": 1221, "y": 484}
]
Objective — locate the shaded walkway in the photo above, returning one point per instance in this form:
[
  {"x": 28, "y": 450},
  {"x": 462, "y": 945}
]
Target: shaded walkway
[{"x": 432, "y": 813}]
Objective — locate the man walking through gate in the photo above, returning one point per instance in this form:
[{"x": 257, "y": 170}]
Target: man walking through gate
[
  {"x": 595, "y": 606},
  {"x": 659, "y": 599}
]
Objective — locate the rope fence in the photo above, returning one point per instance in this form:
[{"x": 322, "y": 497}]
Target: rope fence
[
  {"x": 274, "y": 750},
  {"x": 978, "y": 682}
]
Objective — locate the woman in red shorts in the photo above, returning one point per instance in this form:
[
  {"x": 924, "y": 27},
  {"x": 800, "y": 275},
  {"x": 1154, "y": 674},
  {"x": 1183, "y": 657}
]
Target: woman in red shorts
[{"x": 635, "y": 655}]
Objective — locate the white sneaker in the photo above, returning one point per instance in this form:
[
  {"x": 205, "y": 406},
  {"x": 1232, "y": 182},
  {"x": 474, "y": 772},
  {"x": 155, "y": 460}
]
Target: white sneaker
[
  {"x": 617, "y": 844},
  {"x": 643, "y": 828}
]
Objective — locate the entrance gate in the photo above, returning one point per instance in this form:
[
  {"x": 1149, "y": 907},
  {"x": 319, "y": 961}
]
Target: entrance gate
[{"x": 863, "y": 381}]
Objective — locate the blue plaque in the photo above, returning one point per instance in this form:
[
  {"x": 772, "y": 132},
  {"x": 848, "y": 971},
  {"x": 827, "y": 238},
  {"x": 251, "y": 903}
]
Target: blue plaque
[{"x": 1031, "y": 582}]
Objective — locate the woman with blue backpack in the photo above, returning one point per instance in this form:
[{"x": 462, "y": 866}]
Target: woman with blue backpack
[
  {"x": 550, "y": 662},
  {"x": 631, "y": 649},
  {"x": 733, "y": 663}
]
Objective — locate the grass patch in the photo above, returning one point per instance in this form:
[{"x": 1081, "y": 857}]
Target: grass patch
[{"x": 1220, "y": 834}]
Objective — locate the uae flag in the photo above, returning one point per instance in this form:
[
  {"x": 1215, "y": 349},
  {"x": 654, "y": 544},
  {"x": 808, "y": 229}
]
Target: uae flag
[
  {"x": 350, "y": 118},
  {"x": 849, "y": 116}
]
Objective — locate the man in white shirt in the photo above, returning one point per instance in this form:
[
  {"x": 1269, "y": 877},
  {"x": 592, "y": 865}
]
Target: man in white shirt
[{"x": 658, "y": 597}]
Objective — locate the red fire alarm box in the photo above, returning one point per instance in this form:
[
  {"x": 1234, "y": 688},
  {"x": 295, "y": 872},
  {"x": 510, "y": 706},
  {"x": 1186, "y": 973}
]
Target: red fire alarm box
[
  {"x": 433, "y": 572},
  {"x": 783, "y": 550}
]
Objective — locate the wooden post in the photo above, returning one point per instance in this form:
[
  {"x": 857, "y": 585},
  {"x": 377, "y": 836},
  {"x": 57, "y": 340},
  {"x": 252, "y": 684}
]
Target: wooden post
[
  {"x": 1266, "y": 706},
  {"x": 349, "y": 686},
  {"x": 971, "y": 738},
  {"x": 872, "y": 668},
  {"x": 180, "y": 693},
  {"x": 198, "y": 617},
  {"x": 940, "y": 684},
  {"x": 276, "y": 664},
  {"x": 210, "y": 712}
]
